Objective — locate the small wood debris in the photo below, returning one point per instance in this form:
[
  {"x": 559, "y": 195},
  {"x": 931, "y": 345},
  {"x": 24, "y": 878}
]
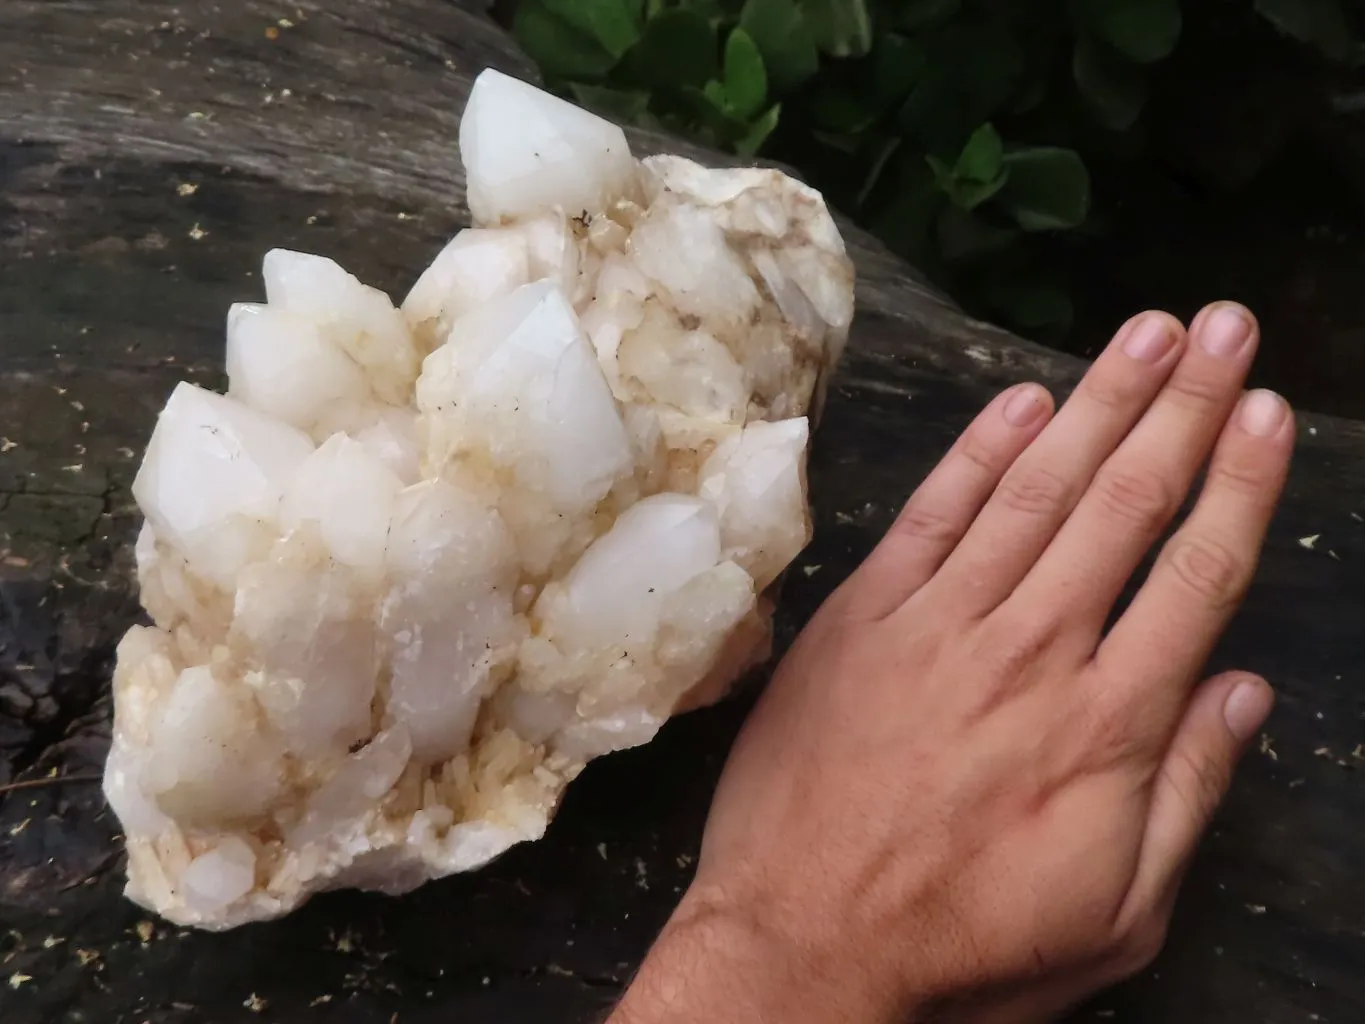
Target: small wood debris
[
  {"x": 1309, "y": 542},
  {"x": 51, "y": 941},
  {"x": 602, "y": 850},
  {"x": 16, "y": 829},
  {"x": 196, "y": 232},
  {"x": 7, "y": 445},
  {"x": 272, "y": 32},
  {"x": 1326, "y": 754},
  {"x": 254, "y": 1003},
  {"x": 87, "y": 956},
  {"x": 1256, "y": 908},
  {"x": 186, "y": 188},
  {"x": 321, "y": 1000},
  {"x": 146, "y": 931},
  {"x": 811, "y": 570},
  {"x": 1359, "y": 752},
  {"x": 16, "y": 979},
  {"x": 1267, "y": 749}
]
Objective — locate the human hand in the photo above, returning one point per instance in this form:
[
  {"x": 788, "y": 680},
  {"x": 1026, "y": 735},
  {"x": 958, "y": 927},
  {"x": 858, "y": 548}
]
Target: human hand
[{"x": 960, "y": 797}]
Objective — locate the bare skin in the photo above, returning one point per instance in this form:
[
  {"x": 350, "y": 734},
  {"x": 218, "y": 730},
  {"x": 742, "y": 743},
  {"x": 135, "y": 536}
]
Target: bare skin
[{"x": 961, "y": 798}]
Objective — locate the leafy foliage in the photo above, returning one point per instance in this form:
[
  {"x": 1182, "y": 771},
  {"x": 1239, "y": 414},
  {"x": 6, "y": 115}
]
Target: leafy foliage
[{"x": 962, "y": 132}]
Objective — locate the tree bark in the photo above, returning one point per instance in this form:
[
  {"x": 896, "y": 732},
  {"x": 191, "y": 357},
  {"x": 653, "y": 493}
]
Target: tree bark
[{"x": 149, "y": 155}]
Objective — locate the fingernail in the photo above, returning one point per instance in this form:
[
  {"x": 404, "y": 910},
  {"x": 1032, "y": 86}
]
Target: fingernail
[
  {"x": 1226, "y": 331},
  {"x": 1263, "y": 413},
  {"x": 1150, "y": 339},
  {"x": 1247, "y": 707},
  {"x": 1025, "y": 405}
]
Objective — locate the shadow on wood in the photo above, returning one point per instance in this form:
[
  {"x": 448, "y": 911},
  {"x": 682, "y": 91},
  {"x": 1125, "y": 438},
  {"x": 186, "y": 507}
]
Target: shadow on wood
[{"x": 149, "y": 155}]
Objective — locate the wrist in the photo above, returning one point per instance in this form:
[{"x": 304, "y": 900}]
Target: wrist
[{"x": 719, "y": 963}]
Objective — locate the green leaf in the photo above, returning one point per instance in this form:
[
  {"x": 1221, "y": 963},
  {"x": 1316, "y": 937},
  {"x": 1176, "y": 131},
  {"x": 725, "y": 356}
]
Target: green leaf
[
  {"x": 893, "y": 68},
  {"x": 837, "y": 141},
  {"x": 711, "y": 107},
  {"x": 559, "y": 49},
  {"x": 907, "y": 223},
  {"x": 1032, "y": 303},
  {"x": 758, "y": 132},
  {"x": 841, "y": 28},
  {"x": 977, "y": 175},
  {"x": 1048, "y": 188},
  {"x": 746, "y": 83},
  {"x": 982, "y": 157},
  {"x": 972, "y": 75},
  {"x": 783, "y": 38},
  {"x": 715, "y": 95},
  {"x": 1142, "y": 30},
  {"x": 678, "y": 49},
  {"x": 968, "y": 195},
  {"x": 615, "y": 24},
  {"x": 626, "y": 106},
  {"x": 943, "y": 173},
  {"x": 835, "y": 108},
  {"x": 924, "y": 13},
  {"x": 1321, "y": 23},
  {"x": 964, "y": 236},
  {"x": 1114, "y": 89}
]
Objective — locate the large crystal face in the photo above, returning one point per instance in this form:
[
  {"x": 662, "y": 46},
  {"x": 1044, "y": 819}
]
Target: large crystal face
[{"x": 421, "y": 563}]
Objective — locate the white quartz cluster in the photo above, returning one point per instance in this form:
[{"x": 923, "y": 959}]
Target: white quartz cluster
[{"x": 421, "y": 563}]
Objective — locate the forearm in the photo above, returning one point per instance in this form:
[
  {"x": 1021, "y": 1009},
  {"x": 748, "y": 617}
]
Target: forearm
[{"x": 719, "y": 968}]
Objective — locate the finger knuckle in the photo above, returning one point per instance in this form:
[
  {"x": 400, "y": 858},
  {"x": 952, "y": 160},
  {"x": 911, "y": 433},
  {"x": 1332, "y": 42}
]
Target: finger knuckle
[
  {"x": 919, "y": 522},
  {"x": 1035, "y": 491},
  {"x": 1243, "y": 476},
  {"x": 1195, "y": 390},
  {"x": 1207, "y": 568},
  {"x": 1136, "y": 495},
  {"x": 1112, "y": 730},
  {"x": 1014, "y": 644},
  {"x": 1198, "y": 783},
  {"x": 1108, "y": 392},
  {"x": 976, "y": 452}
]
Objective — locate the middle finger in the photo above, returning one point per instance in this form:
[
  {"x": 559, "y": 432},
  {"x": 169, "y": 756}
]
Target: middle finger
[{"x": 1141, "y": 486}]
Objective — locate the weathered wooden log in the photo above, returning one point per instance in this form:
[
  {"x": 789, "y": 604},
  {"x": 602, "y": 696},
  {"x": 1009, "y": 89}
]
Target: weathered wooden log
[{"x": 149, "y": 154}]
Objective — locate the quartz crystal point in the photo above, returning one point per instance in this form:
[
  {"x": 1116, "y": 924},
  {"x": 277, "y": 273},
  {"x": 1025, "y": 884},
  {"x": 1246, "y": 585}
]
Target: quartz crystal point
[{"x": 421, "y": 563}]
